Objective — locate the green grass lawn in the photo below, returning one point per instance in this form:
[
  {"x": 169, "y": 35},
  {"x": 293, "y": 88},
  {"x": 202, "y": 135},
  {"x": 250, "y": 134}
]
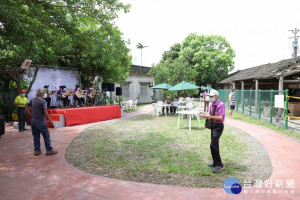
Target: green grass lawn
[
  {"x": 152, "y": 149},
  {"x": 240, "y": 116}
]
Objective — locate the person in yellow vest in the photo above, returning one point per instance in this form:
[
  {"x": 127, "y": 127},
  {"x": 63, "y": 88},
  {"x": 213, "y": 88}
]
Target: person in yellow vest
[{"x": 20, "y": 102}]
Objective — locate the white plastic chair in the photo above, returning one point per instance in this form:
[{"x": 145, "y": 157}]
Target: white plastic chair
[
  {"x": 134, "y": 104},
  {"x": 190, "y": 106},
  {"x": 130, "y": 102},
  {"x": 188, "y": 100},
  {"x": 196, "y": 108},
  {"x": 160, "y": 102},
  {"x": 192, "y": 99},
  {"x": 124, "y": 104},
  {"x": 197, "y": 105},
  {"x": 156, "y": 109}
]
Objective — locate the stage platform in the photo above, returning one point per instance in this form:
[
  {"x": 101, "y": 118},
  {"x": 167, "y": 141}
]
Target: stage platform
[{"x": 84, "y": 115}]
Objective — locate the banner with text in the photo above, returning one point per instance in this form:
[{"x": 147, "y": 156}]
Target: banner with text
[{"x": 52, "y": 77}]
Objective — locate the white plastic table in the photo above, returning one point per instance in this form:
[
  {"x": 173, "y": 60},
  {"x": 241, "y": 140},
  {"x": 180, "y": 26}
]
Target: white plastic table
[
  {"x": 182, "y": 108},
  {"x": 189, "y": 114},
  {"x": 166, "y": 105}
]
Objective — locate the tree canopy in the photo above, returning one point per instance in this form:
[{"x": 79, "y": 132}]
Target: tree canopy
[
  {"x": 172, "y": 69},
  {"x": 200, "y": 59},
  {"x": 65, "y": 33}
]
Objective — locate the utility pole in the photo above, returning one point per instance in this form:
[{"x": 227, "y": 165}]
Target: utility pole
[{"x": 295, "y": 42}]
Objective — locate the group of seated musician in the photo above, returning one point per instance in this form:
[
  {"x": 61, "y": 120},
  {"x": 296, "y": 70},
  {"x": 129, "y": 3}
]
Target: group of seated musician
[
  {"x": 78, "y": 93},
  {"x": 64, "y": 95}
]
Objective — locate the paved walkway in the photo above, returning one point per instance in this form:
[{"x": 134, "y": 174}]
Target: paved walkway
[{"x": 24, "y": 176}]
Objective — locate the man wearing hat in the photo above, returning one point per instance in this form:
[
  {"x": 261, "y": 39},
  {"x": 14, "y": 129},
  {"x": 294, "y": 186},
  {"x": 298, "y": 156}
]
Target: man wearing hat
[
  {"x": 218, "y": 118},
  {"x": 20, "y": 102}
]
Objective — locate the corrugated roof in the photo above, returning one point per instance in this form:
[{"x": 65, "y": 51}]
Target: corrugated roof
[
  {"x": 137, "y": 69},
  {"x": 282, "y": 68}
]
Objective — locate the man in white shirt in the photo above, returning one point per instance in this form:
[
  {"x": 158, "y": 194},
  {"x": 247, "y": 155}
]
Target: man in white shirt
[
  {"x": 231, "y": 102},
  {"x": 174, "y": 106}
]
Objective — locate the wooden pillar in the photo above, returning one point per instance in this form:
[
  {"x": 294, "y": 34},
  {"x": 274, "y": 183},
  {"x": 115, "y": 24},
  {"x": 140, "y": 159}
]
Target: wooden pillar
[
  {"x": 256, "y": 95},
  {"x": 233, "y": 85},
  {"x": 242, "y": 96},
  {"x": 15, "y": 74},
  {"x": 280, "y": 87}
]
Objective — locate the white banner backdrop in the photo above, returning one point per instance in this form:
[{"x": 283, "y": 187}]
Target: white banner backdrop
[{"x": 52, "y": 77}]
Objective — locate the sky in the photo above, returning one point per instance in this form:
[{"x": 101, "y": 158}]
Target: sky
[{"x": 257, "y": 30}]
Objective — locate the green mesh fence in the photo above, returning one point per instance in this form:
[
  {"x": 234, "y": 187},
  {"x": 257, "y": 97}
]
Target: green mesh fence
[{"x": 259, "y": 104}]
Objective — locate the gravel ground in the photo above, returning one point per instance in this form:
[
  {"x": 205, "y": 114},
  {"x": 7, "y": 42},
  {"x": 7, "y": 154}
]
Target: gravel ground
[{"x": 256, "y": 166}]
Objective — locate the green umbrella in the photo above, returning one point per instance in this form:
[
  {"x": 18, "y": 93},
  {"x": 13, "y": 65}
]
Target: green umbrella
[
  {"x": 184, "y": 86},
  {"x": 164, "y": 86}
]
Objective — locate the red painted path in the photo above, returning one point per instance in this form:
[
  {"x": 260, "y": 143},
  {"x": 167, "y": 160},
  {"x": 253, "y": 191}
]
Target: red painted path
[{"x": 24, "y": 176}]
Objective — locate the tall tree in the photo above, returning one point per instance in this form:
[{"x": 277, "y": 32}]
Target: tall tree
[
  {"x": 199, "y": 59},
  {"x": 211, "y": 56},
  {"x": 54, "y": 32},
  {"x": 172, "y": 69},
  {"x": 140, "y": 46},
  {"x": 104, "y": 53}
]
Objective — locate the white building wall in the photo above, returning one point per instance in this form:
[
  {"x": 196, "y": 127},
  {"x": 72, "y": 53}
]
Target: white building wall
[{"x": 135, "y": 82}]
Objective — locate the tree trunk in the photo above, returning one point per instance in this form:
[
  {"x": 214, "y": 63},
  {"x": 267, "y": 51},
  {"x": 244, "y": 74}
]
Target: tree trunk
[
  {"x": 141, "y": 57},
  {"x": 92, "y": 78},
  {"x": 33, "y": 80}
]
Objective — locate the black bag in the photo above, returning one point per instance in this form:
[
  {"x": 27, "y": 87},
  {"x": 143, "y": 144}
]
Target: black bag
[
  {"x": 2, "y": 126},
  {"x": 209, "y": 122}
]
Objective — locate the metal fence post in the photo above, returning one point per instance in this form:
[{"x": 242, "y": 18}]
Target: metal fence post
[
  {"x": 259, "y": 104},
  {"x": 286, "y": 108},
  {"x": 271, "y": 106},
  {"x": 250, "y": 101},
  {"x": 236, "y": 100},
  {"x": 221, "y": 94},
  {"x": 243, "y": 101},
  {"x": 225, "y": 97}
]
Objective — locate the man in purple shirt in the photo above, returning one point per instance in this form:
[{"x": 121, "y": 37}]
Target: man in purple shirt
[{"x": 217, "y": 129}]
